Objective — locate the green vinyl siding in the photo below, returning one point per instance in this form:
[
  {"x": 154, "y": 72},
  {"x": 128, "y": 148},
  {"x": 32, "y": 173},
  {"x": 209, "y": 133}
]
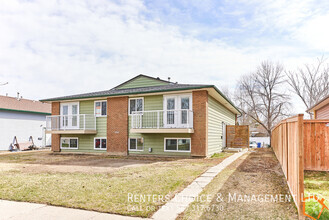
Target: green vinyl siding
[
  {"x": 86, "y": 141},
  {"x": 156, "y": 141},
  {"x": 86, "y": 107},
  {"x": 142, "y": 81},
  {"x": 153, "y": 103},
  {"x": 217, "y": 114}
]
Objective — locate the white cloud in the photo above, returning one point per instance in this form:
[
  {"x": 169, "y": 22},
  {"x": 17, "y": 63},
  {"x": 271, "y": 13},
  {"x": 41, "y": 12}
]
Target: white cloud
[
  {"x": 315, "y": 33},
  {"x": 55, "y": 48}
]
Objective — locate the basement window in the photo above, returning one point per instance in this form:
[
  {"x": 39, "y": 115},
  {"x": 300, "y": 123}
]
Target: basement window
[
  {"x": 136, "y": 144},
  {"x": 100, "y": 143},
  {"x": 177, "y": 145},
  {"x": 69, "y": 143}
]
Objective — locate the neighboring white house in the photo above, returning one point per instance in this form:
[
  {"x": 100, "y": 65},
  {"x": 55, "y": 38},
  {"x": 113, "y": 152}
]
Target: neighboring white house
[
  {"x": 263, "y": 140},
  {"x": 23, "y": 118}
]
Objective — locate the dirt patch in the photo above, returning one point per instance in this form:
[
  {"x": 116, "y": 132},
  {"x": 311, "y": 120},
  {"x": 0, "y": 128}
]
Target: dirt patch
[
  {"x": 37, "y": 168},
  {"x": 261, "y": 161},
  {"x": 45, "y": 161},
  {"x": 49, "y": 158},
  {"x": 251, "y": 189}
]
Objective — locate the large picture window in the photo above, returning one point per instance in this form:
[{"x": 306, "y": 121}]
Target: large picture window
[
  {"x": 99, "y": 143},
  {"x": 178, "y": 144},
  {"x": 100, "y": 108},
  {"x": 69, "y": 143},
  {"x": 136, "y": 144},
  {"x": 136, "y": 104}
]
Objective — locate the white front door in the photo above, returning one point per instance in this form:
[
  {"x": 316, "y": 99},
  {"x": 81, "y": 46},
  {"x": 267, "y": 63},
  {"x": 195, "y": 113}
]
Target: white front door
[
  {"x": 177, "y": 111},
  {"x": 69, "y": 116}
]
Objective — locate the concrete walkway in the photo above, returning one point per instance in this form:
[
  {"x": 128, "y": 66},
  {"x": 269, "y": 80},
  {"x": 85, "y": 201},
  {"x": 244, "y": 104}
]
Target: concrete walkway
[
  {"x": 31, "y": 211},
  {"x": 181, "y": 201}
]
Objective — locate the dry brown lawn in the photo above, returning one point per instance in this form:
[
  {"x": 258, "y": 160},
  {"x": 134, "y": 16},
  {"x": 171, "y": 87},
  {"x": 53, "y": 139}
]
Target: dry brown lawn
[{"x": 96, "y": 182}]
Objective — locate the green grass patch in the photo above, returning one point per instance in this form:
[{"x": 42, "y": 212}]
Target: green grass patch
[
  {"x": 316, "y": 183},
  {"x": 105, "y": 192},
  {"x": 220, "y": 155},
  {"x": 313, "y": 209}
]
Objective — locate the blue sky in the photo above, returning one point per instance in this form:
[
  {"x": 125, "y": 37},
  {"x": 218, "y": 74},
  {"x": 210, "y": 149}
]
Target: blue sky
[{"x": 54, "y": 48}]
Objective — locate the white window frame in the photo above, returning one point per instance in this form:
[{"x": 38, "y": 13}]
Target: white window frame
[
  {"x": 177, "y": 119},
  {"x": 177, "y": 98},
  {"x": 142, "y": 98},
  {"x": 101, "y": 108},
  {"x": 100, "y": 143},
  {"x": 69, "y": 104},
  {"x": 136, "y": 144},
  {"x": 180, "y": 151},
  {"x": 70, "y": 143}
]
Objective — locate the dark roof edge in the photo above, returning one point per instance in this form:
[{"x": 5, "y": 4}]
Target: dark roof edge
[
  {"x": 134, "y": 93},
  {"x": 25, "y": 111},
  {"x": 150, "y": 77},
  {"x": 227, "y": 99},
  {"x": 319, "y": 102},
  {"x": 124, "y": 93}
]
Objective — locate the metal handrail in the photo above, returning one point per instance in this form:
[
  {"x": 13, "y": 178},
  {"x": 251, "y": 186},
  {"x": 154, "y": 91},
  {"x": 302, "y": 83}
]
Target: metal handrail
[
  {"x": 162, "y": 119},
  {"x": 136, "y": 112},
  {"x": 65, "y": 122}
]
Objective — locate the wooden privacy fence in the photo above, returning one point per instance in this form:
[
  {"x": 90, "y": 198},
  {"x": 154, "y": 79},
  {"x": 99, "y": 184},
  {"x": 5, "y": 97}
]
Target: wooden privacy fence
[
  {"x": 316, "y": 145},
  {"x": 287, "y": 143},
  {"x": 237, "y": 136},
  {"x": 301, "y": 145}
]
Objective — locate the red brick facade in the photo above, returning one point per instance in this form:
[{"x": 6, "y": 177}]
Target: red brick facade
[
  {"x": 117, "y": 125},
  {"x": 55, "y": 138},
  {"x": 199, "y": 138}
]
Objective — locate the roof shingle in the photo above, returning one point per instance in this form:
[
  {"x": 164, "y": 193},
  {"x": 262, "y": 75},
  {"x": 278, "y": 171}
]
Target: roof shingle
[
  {"x": 12, "y": 103},
  {"x": 116, "y": 92}
]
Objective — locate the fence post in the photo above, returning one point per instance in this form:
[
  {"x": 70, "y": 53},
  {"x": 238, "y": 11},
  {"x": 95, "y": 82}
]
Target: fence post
[
  {"x": 300, "y": 165},
  {"x": 287, "y": 149}
]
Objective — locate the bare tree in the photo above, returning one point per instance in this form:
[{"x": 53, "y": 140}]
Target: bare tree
[
  {"x": 262, "y": 95},
  {"x": 238, "y": 98},
  {"x": 2, "y": 84},
  {"x": 310, "y": 83},
  {"x": 226, "y": 91}
]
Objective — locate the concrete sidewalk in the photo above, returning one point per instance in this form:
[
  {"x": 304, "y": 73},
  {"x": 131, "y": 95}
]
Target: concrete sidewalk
[{"x": 32, "y": 211}]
